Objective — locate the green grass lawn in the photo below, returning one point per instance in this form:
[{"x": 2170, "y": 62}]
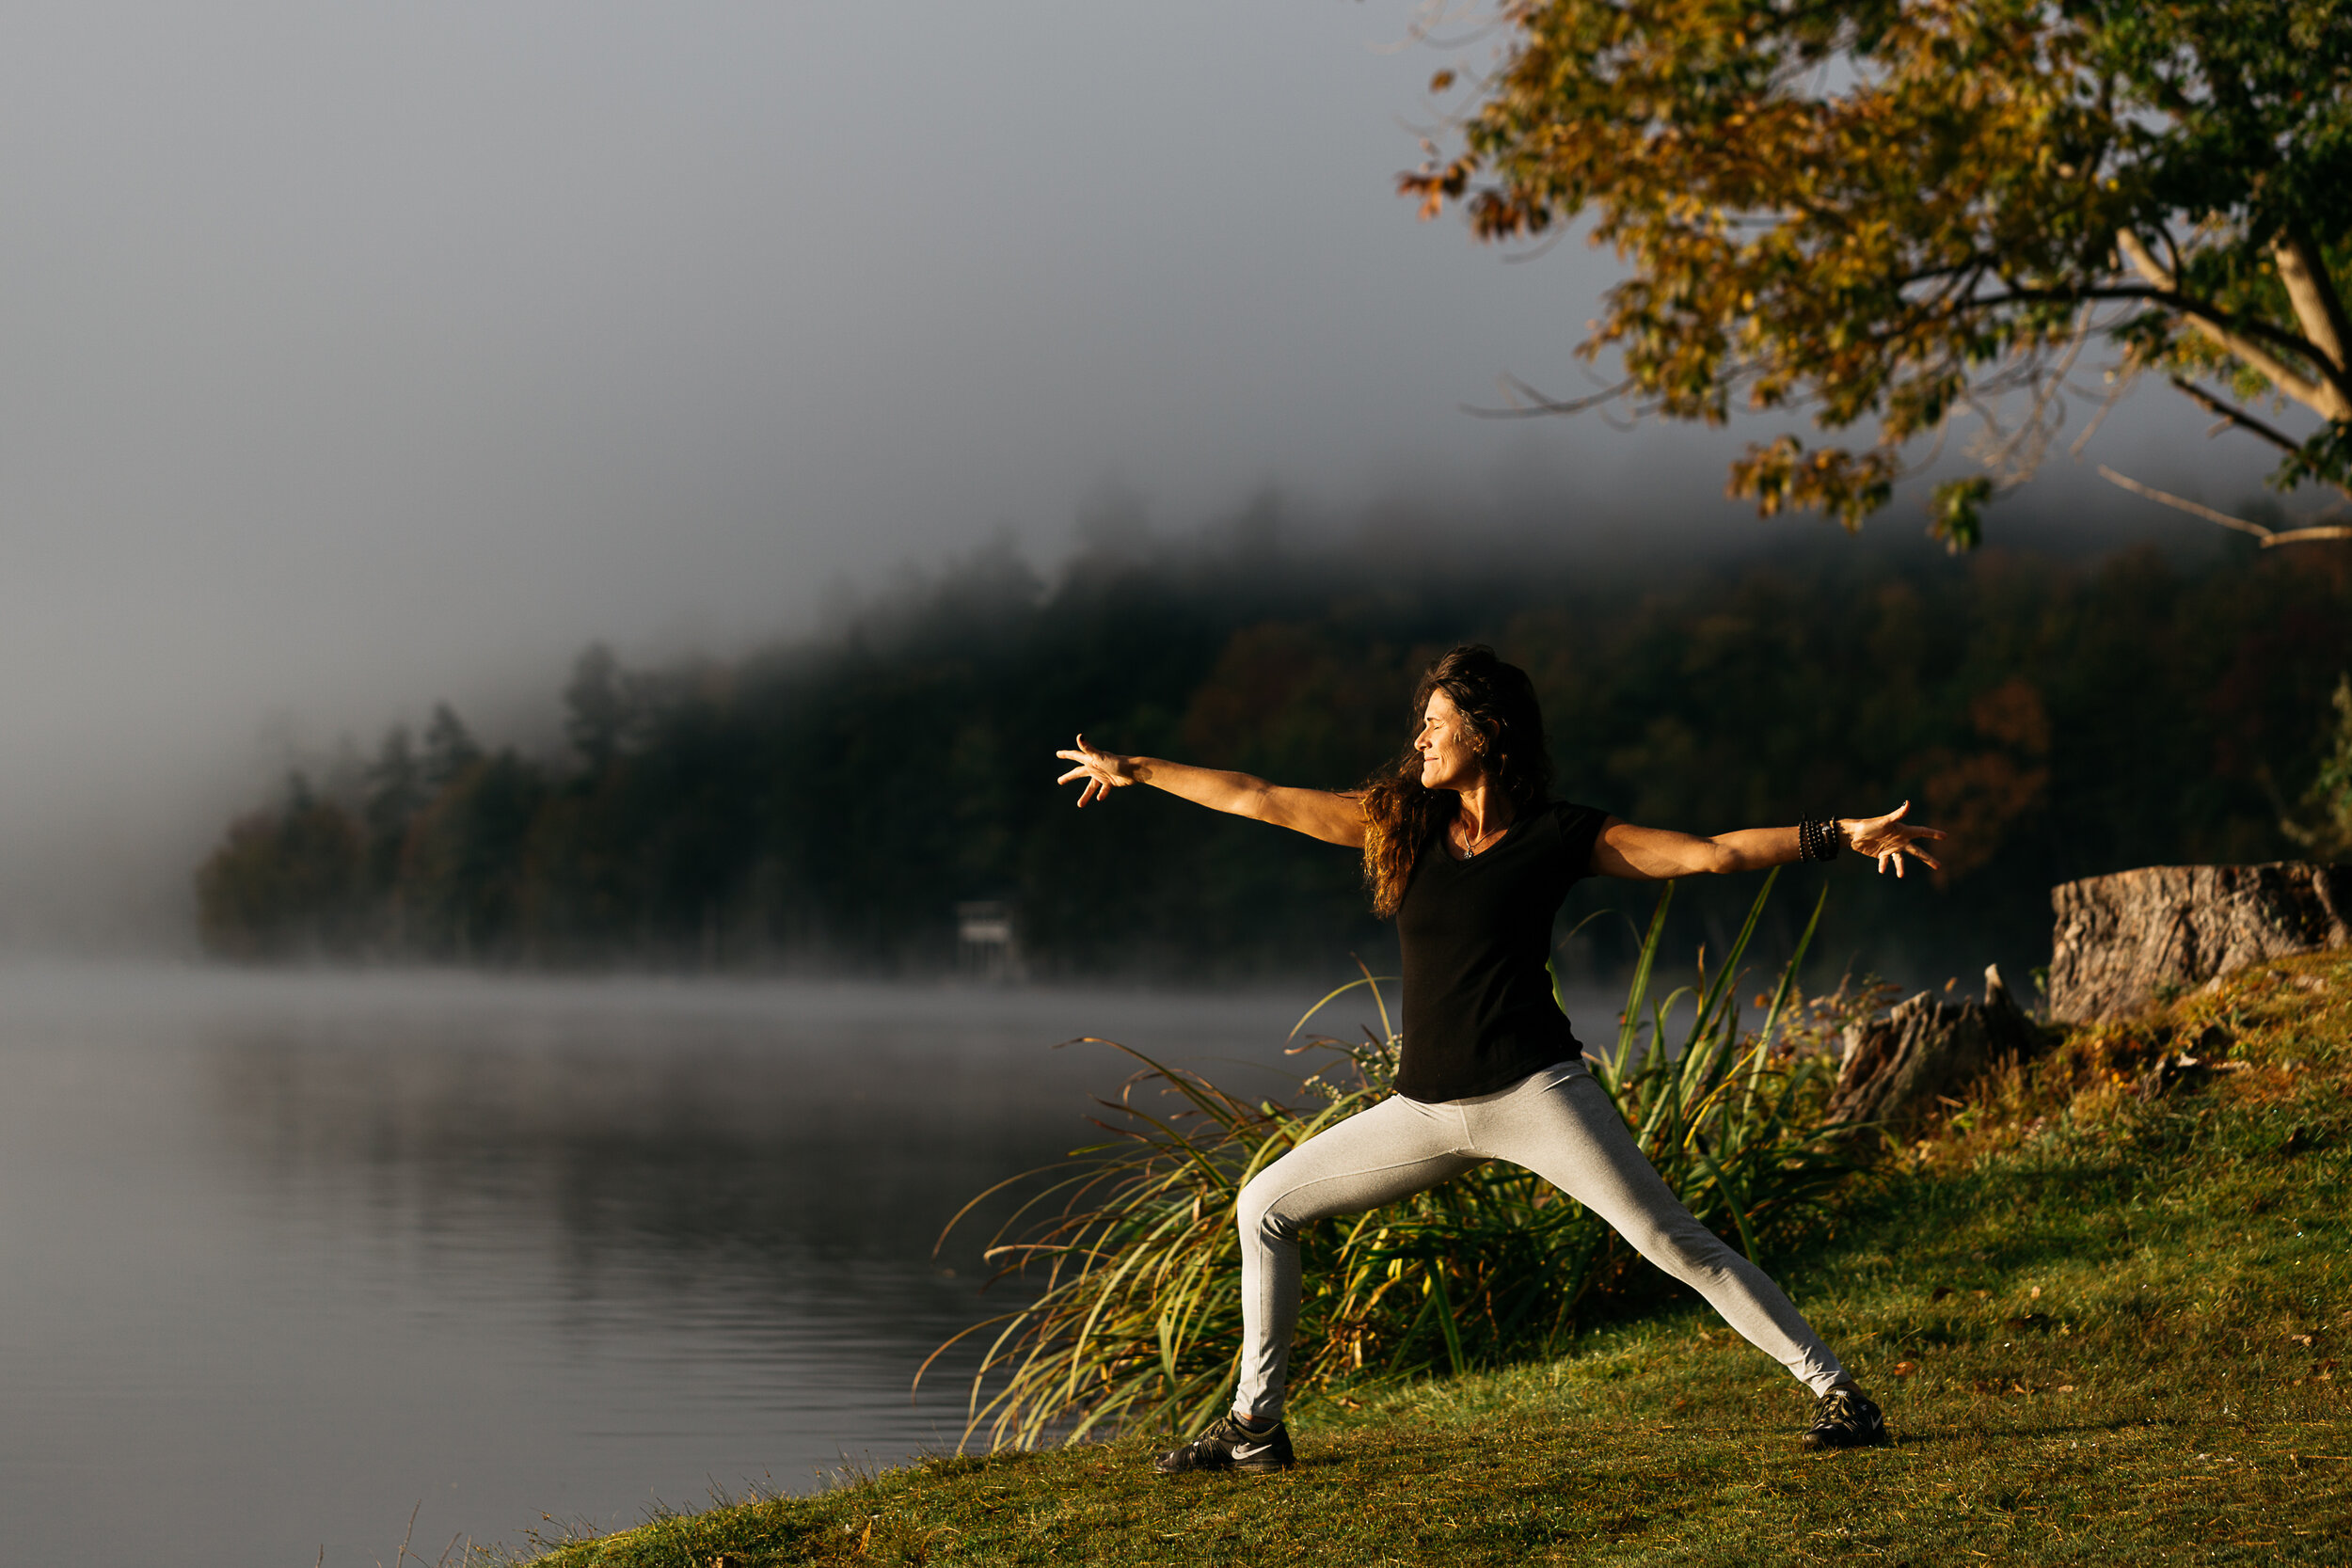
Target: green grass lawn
[{"x": 2104, "y": 1329}]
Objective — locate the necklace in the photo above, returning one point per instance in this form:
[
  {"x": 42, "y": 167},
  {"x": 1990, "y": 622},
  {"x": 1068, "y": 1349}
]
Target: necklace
[{"x": 1474, "y": 845}]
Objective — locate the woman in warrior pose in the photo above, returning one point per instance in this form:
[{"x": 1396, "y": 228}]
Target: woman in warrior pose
[{"x": 1463, "y": 846}]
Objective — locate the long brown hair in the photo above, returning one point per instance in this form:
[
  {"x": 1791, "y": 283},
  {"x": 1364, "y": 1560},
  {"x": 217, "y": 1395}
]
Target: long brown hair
[{"x": 1505, "y": 730}]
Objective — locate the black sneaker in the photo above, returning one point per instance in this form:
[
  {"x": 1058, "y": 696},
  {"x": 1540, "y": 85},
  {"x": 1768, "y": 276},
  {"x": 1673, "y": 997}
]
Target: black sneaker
[
  {"x": 1845, "y": 1419},
  {"x": 1232, "y": 1445}
]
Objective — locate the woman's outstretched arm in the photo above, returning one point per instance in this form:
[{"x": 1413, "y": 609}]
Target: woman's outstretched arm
[
  {"x": 1321, "y": 814},
  {"x": 1654, "y": 854}
]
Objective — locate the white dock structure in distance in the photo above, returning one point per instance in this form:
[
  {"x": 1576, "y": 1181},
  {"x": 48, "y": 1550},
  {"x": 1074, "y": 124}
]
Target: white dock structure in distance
[{"x": 988, "y": 941}]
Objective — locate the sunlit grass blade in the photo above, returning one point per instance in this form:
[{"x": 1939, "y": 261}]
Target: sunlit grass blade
[
  {"x": 1783, "y": 992},
  {"x": 1369, "y": 979},
  {"x": 1629, "y": 1020}
]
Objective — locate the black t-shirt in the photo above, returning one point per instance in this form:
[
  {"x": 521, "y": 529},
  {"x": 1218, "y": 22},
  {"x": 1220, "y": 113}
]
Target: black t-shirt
[{"x": 1479, "y": 1010}]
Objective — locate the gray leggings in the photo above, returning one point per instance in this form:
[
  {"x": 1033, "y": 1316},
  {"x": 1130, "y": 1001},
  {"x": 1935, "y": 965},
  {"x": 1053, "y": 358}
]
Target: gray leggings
[{"x": 1560, "y": 1124}]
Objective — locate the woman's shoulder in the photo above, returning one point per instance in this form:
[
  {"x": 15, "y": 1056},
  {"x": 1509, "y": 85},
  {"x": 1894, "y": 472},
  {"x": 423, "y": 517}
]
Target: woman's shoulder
[{"x": 1576, "y": 826}]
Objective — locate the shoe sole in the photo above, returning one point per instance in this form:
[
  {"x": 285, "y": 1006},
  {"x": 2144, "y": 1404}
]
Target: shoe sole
[
  {"x": 1814, "y": 1445},
  {"x": 1273, "y": 1468}
]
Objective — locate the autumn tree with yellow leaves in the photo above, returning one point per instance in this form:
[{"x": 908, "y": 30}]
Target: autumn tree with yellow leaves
[{"x": 1904, "y": 217}]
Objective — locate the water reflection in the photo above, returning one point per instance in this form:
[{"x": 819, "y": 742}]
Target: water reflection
[{"x": 283, "y": 1257}]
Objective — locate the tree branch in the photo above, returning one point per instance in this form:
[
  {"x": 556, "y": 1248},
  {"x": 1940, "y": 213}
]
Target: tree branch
[
  {"x": 1537, "y": 404},
  {"x": 2205, "y": 317},
  {"x": 2238, "y": 417},
  {"x": 2317, "y": 307},
  {"x": 2326, "y": 398},
  {"x": 2269, "y": 537}
]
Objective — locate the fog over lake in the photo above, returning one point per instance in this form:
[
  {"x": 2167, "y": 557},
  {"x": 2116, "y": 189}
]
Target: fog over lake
[{"x": 364, "y": 357}]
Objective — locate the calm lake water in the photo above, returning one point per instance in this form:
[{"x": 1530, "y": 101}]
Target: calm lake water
[{"x": 283, "y": 1257}]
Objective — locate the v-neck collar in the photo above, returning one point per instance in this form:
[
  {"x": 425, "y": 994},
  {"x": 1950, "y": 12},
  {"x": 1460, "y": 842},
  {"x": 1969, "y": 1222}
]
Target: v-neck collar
[{"x": 1445, "y": 842}]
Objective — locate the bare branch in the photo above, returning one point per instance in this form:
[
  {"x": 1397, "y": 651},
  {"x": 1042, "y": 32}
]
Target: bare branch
[
  {"x": 1529, "y": 404},
  {"x": 2238, "y": 417},
  {"x": 2181, "y": 503},
  {"x": 2307, "y": 535},
  {"x": 2022, "y": 453},
  {"x": 2121, "y": 384},
  {"x": 1537, "y": 252},
  {"x": 2198, "y": 508}
]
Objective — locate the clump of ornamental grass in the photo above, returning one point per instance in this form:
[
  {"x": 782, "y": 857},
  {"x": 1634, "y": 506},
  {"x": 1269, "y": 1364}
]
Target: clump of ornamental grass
[{"x": 1137, "y": 1325}]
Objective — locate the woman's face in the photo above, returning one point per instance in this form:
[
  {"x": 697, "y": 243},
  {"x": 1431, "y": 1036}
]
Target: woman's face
[{"x": 1447, "y": 760}]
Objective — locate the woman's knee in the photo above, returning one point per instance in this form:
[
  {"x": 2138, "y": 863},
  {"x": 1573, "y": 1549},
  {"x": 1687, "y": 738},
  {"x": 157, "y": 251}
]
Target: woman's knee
[
  {"x": 1687, "y": 1249},
  {"x": 1258, "y": 1211}
]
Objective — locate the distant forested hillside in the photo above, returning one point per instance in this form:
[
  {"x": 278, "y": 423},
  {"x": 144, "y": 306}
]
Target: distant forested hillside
[{"x": 828, "y": 802}]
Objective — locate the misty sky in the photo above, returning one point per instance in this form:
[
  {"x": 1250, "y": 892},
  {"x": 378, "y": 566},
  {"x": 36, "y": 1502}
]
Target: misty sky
[{"x": 359, "y": 355}]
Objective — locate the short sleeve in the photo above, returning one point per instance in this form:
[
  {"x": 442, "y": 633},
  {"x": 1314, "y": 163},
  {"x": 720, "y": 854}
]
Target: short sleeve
[{"x": 1580, "y": 826}]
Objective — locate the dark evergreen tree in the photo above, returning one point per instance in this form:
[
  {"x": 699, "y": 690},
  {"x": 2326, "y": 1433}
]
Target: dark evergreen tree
[
  {"x": 286, "y": 884},
  {"x": 462, "y": 884},
  {"x": 395, "y": 793},
  {"x": 595, "y": 706},
  {"x": 450, "y": 747}
]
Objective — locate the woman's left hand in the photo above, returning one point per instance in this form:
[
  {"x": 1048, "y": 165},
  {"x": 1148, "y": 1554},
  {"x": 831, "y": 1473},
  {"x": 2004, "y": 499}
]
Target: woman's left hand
[{"x": 1887, "y": 839}]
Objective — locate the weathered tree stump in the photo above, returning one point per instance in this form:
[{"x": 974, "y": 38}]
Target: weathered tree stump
[
  {"x": 1895, "y": 1068},
  {"x": 2124, "y": 942}
]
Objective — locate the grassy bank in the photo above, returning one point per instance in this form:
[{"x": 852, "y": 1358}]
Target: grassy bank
[{"x": 2103, "y": 1327}]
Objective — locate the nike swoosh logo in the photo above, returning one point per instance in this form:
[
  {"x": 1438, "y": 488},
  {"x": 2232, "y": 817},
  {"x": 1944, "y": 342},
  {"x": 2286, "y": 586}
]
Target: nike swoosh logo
[{"x": 1252, "y": 1451}]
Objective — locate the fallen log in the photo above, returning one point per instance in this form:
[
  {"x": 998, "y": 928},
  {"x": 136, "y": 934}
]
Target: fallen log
[
  {"x": 1895, "y": 1068},
  {"x": 2125, "y": 941}
]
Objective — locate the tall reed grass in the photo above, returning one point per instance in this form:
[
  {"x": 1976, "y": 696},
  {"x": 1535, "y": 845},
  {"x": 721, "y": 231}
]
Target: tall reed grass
[{"x": 1138, "y": 1321}]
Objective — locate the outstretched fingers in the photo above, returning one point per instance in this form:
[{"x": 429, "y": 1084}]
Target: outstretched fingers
[
  {"x": 1096, "y": 774},
  {"x": 1894, "y": 858},
  {"x": 1889, "y": 840}
]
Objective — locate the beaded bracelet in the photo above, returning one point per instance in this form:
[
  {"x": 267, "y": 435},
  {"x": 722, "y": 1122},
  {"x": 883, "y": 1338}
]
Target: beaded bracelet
[{"x": 1818, "y": 839}]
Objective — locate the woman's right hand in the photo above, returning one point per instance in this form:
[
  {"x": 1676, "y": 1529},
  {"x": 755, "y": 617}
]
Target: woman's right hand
[
  {"x": 1102, "y": 771},
  {"x": 1317, "y": 812}
]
